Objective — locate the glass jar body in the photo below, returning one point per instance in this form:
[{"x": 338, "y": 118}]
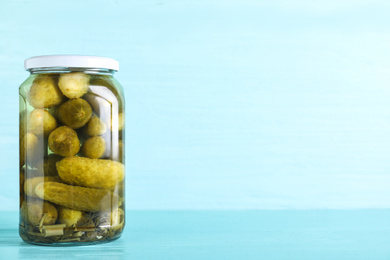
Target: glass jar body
[{"x": 71, "y": 157}]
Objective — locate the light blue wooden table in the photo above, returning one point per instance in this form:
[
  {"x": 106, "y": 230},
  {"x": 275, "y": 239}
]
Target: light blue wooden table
[{"x": 271, "y": 235}]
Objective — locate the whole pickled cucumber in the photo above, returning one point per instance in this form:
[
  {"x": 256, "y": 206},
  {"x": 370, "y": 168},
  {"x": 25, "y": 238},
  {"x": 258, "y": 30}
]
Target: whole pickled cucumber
[
  {"x": 74, "y": 113},
  {"x": 96, "y": 127},
  {"x": 78, "y": 198},
  {"x": 94, "y": 147},
  {"x": 93, "y": 173},
  {"x": 33, "y": 210},
  {"x": 64, "y": 141},
  {"x": 69, "y": 217},
  {"x": 74, "y": 85},
  {"x": 41, "y": 122},
  {"x": 31, "y": 183},
  {"x": 44, "y": 92}
]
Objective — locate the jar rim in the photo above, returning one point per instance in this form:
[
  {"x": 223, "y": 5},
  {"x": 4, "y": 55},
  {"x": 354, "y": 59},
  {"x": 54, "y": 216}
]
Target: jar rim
[{"x": 71, "y": 61}]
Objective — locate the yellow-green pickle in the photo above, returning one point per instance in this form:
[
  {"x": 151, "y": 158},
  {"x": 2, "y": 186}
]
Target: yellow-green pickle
[{"x": 72, "y": 151}]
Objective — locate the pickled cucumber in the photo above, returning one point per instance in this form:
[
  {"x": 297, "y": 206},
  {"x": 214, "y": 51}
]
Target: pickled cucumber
[
  {"x": 64, "y": 141},
  {"x": 41, "y": 122},
  {"x": 75, "y": 113},
  {"x": 35, "y": 210},
  {"x": 44, "y": 92},
  {"x": 74, "y": 85},
  {"x": 31, "y": 183},
  {"x": 75, "y": 197},
  {"x": 67, "y": 216},
  {"x": 94, "y": 147},
  {"x": 93, "y": 173},
  {"x": 96, "y": 127}
]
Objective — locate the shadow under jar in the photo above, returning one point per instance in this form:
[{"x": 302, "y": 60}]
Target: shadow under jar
[{"x": 71, "y": 151}]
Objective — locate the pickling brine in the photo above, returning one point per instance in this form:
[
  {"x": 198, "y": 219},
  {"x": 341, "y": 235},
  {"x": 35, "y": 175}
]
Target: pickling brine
[{"x": 72, "y": 151}]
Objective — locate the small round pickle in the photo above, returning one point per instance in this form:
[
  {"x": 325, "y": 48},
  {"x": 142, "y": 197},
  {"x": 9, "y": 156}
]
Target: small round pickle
[
  {"x": 64, "y": 141},
  {"x": 92, "y": 173},
  {"x": 75, "y": 113},
  {"x": 78, "y": 198},
  {"x": 34, "y": 210},
  {"x": 41, "y": 122},
  {"x": 68, "y": 216},
  {"x": 94, "y": 147},
  {"x": 74, "y": 85},
  {"x": 96, "y": 127},
  {"x": 44, "y": 92}
]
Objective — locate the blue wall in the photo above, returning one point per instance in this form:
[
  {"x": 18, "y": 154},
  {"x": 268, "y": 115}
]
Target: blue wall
[{"x": 231, "y": 104}]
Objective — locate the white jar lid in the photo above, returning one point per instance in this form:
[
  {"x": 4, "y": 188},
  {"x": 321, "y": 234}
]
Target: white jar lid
[{"x": 71, "y": 61}]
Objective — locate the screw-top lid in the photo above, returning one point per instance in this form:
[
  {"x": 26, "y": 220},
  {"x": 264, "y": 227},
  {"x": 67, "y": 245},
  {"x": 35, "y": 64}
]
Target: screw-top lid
[{"x": 71, "y": 61}]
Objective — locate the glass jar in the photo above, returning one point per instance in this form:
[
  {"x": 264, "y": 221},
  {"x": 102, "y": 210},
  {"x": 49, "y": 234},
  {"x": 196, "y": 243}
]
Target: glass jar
[{"x": 71, "y": 151}]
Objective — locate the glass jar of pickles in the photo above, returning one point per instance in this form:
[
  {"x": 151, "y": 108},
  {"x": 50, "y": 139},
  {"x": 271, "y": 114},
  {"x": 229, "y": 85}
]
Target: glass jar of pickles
[{"x": 72, "y": 147}]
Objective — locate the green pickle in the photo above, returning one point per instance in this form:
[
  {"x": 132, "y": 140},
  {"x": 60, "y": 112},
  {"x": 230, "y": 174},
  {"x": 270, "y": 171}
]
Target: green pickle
[
  {"x": 37, "y": 212},
  {"x": 31, "y": 183},
  {"x": 92, "y": 173},
  {"x": 44, "y": 92},
  {"x": 64, "y": 141},
  {"x": 76, "y": 197},
  {"x": 74, "y": 85},
  {"x": 69, "y": 217},
  {"x": 74, "y": 113},
  {"x": 71, "y": 157},
  {"x": 96, "y": 127},
  {"x": 41, "y": 122},
  {"x": 94, "y": 147}
]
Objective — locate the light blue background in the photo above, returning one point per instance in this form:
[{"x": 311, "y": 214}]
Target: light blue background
[{"x": 231, "y": 104}]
